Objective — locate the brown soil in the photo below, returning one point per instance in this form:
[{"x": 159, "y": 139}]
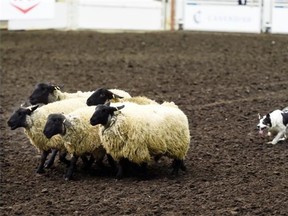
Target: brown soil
[{"x": 221, "y": 81}]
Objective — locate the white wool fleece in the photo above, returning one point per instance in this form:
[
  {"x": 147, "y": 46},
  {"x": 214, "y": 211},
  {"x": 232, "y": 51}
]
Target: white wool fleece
[
  {"x": 81, "y": 137},
  {"x": 37, "y": 120},
  {"x": 139, "y": 132}
]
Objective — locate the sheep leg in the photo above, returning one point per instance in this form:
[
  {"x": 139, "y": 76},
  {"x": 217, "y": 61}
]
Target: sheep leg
[
  {"x": 120, "y": 168},
  {"x": 100, "y": 164},
  {"x": 44, "y": 155},
  {"x": 91, "y": 160},
  {"x": 182, "y": 166},
  {"x": 71, "y": 168},
  {"x": 111, "y": 162},
  {"x": 176, "y": 165},
  {"x": 87, "y": 162},
  {"x": 62, "y": 158},
  {"x": 51, "y": 160},
  {"x": 143, "y": 168}
]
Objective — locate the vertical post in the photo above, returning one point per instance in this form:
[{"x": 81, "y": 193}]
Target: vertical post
[
  {"x": 267, "y": 7},
  {"x": 180, "y": 8},
  {"x": 172, "y": 16},
  {"x": 164, "y": 14},
  {"x": 72, "y": 11}
]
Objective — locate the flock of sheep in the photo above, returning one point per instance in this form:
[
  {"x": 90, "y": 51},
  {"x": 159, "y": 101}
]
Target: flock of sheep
[{"x": 102, "y": 123}]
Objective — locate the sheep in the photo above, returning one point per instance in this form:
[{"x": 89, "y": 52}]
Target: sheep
[
  {"x": 139, "y": 132},
  {"x": 33, "y": 119},
  {"x": 79, "y": 136},
  {"x": 102, "y": 95},
  {"x": 47, "y": 93}
]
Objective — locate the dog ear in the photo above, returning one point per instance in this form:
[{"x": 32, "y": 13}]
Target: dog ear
[
  {"x": 259, "y": 116},
  {"x": 268, "y": 115}
]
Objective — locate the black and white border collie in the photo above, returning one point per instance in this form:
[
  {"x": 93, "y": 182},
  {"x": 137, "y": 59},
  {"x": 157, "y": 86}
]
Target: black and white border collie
[{"x": 277, "y": 123}]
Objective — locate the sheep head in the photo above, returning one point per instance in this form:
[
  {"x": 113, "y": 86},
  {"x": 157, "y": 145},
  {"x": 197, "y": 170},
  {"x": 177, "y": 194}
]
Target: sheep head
[
  {"x": 19, "y": 117},
  {"x": 42, "y": 93},
  {"x": 101, "y": 96},
  {"x": 103, "y": 114},
  {"x": 55, "y": 124}
]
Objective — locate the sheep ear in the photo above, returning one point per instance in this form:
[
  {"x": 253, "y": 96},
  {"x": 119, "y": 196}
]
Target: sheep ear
[
  {"x": 25, "y": 104},
  {"x": 60, "y": 87},
  {"x": 56, "y": 87},
  {"x": 120, "y": 107},
  {"x": 116, "y": 96},
  {"x": 51, "y": 88},
  {"x": 107, "y": 103},
  {"x": 32, "y": 109}
]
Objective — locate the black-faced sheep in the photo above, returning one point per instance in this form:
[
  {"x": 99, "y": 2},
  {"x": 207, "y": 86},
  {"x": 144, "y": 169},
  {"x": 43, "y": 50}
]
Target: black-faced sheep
[
  {"x": 47, "y": 93},
  {"x": 102, "y": 95},
  {"x": 33, "y": 121},
  {"x": 80, "y": 137},
  {"x": 140, "y": 132}
]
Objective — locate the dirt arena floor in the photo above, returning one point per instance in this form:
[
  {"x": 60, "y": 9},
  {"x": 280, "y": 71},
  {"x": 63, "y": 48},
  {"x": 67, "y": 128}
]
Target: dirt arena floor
[{"x": 221, "y": 81}]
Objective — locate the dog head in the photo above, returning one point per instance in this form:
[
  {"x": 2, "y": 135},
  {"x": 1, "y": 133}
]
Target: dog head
[{"x": 264, "y": 123}]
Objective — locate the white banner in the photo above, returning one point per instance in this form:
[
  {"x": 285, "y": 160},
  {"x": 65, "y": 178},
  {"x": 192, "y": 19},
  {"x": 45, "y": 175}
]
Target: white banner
[
  {"x": 120, "y": 14},
  {"x": 26, "y": 9},
  {"x": 224, "y": 18},
  {"x": 280, "y": 17}
]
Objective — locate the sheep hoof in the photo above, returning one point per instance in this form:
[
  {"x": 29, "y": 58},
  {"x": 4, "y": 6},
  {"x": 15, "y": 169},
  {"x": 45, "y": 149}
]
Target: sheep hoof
[
  {"x": 119, "y": 176},
  {"x": 68, "y": 178},
  {"x": 184, "y": 169},
  {"x": 175, "y": 172},
  {"x": 176, "y": 165},
  {"x": 182, "y": 166},
  {"x": 40, "y": 171},
  {"x": 48, "y": 165}
]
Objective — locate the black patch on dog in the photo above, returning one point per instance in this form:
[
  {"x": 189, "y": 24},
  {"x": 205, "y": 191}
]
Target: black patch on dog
[
  {"x": 285, "y": 118},
  {"x": 267, "y": 120}
]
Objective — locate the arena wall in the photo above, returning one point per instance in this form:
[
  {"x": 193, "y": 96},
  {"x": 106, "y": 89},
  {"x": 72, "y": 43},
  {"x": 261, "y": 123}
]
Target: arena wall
[
  {"x": 279, "y": 23},
  {"x": 252, "y": 16},
  {"x": 224, "y": 16}
]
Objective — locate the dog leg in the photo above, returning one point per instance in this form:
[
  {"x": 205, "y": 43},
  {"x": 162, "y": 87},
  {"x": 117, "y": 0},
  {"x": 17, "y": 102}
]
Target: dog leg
[{"x": 277, "y": 137}]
